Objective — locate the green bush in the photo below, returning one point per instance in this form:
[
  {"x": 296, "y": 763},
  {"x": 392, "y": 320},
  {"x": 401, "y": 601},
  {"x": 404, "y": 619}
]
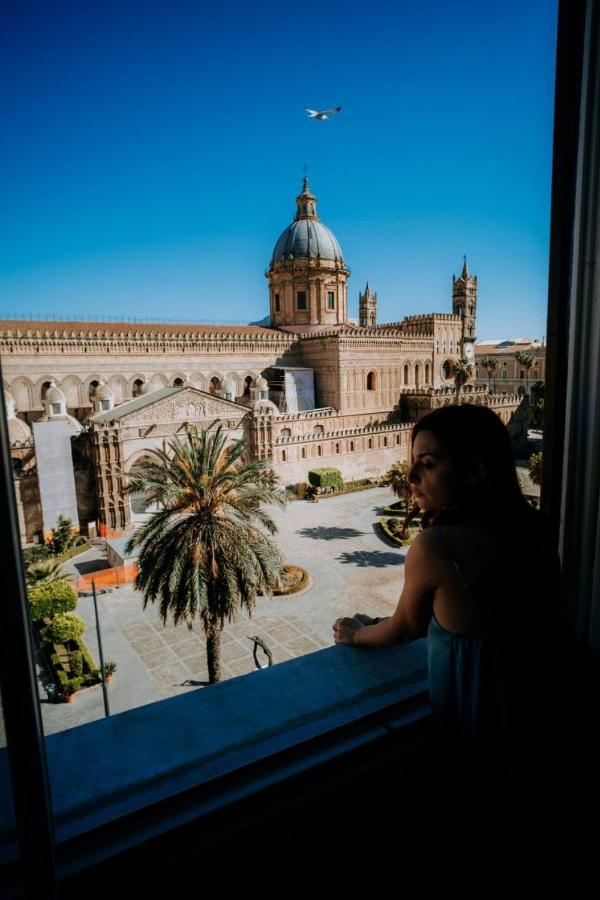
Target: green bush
[
  {"x": 76, "y": 662},
  {"x": 50, "y": 599},
  {"x": 65, "y": 627},
  {"x": 36, "y": 554},
  {"x": 326, "y": 478}
]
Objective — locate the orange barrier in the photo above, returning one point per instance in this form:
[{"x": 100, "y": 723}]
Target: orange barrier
[{"x": 107, "y": 577}]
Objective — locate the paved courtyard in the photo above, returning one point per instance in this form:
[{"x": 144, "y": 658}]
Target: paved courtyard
[{"x": 352, "y": 570}]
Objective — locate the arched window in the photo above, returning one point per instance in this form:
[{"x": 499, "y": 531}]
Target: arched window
[
  {"x": 397, "y": 438},
  {"x": 351, "y": 446},
  {"x": 319, "y": 429},
  {"x": 405, "y": 374},
  {"x": 178, "y": 382},
  {"x": 337, "y": 448},
  {"x": 44, "y": 390},
  {"x": 214, "y": 386},
  {"x": 370, "y": 443},
  {"x": 417, "y": 375},
  {"x": 385, "y": 441},
  {"x": 247, "y": 383},
  {"x": 137, "y": 384},
  {"x": 319, "y": 450},
  {"x": 426, "y": 373},
  {"x": 447, "y": 369},
  {"x": 285, "y": 433},
  {"x": 303, "y": 453},
  {"x": 371, "y": 381},
  {"x": 283, "y": 457},
  {"x": 92, "y": 387}
]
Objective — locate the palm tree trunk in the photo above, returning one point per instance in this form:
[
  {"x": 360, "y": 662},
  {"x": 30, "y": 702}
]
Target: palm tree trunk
[{"x": 213, "y": 651}]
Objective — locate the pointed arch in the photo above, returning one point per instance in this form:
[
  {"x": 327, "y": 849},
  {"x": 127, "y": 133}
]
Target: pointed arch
[
  {"x": 71, "y": 388},
  {"x": 23, "y": 392},
  {"x": 118, "y": 386}
]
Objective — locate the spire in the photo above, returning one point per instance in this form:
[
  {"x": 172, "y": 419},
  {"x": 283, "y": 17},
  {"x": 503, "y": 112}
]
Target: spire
[
  {"x": 306, "y": 203},
  {"x": 465, "y": 271},
  {"x": 367, "y": 289}
]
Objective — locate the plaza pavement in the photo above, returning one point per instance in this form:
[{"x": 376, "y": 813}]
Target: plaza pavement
[{"x": 352, "y": 570}]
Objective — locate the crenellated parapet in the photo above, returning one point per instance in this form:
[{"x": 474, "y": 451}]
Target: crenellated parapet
[
  {"x": 312, "y": 436},
  {"x": 74, "y": 338}
]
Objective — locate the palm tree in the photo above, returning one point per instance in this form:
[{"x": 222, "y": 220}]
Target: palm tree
[
  {"x": 535, "y": 468},
  {"x": 204, "y": 553},
  {"x": 397, "y": 479},
  {"x": 525, "y": 360},
  {"x": 489, "y": 363},
  {"x": 47, "y": 572},
  {"x": 462, "y": 371}
]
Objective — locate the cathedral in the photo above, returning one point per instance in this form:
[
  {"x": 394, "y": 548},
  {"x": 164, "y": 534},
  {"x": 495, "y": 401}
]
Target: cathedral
[{"x": 87, "y": 400}]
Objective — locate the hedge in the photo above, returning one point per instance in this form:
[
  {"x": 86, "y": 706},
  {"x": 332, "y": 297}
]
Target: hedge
[
  {"x": 412, "y": 532},
  {"x": 325, "y": 477},
  {"x": 65, "y": 627},
  {"x": 52, "y": 598}
]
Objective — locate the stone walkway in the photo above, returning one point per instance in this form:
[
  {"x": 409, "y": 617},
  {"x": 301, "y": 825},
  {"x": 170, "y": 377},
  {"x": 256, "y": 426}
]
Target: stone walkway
[{"x": 351, "y": 568}]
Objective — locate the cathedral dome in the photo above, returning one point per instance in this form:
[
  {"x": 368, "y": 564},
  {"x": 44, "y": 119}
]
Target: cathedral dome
[
  {"x": 54, "y": 394},
  {"x": 103, "y": 392},
  {"x": 18, "y": 430},
  {"x": 307, "y": 237}
]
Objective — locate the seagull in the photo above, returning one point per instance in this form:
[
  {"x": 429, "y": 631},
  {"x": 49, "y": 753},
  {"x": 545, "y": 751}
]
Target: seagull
[{"x": 321, "y": 114}]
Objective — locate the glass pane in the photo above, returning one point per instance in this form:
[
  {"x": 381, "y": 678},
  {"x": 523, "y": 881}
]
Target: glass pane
[{"x": 115, "y": 327}]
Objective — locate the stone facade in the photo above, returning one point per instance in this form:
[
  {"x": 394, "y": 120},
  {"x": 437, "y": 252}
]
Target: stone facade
[
  {"x": 510, "y": 376},
  {"x": 135, "y": 386}
]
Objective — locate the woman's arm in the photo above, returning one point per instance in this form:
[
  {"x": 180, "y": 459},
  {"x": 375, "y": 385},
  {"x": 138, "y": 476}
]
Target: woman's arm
[{"x": 413, "y": 612}]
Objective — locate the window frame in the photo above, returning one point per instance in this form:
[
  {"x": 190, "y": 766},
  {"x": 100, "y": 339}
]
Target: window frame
[{"x": 26, "y": 751}]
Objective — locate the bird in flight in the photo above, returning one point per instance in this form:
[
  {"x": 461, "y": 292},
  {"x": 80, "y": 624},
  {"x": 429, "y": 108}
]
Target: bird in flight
[{"x": 322, "y": 113}]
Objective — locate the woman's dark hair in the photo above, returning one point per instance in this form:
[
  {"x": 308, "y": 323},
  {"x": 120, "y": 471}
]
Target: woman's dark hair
[{"x": 471, "y": 432}]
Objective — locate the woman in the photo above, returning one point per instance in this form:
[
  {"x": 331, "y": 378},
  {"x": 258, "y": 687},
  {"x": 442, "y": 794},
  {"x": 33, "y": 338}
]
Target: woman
[{"x": 482, "y": 583}]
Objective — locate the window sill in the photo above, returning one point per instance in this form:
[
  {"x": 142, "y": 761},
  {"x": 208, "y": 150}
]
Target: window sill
[{"x": 203, "y": 750}]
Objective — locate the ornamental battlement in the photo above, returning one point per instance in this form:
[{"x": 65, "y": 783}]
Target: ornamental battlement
[
  {"x": 374, "y": 428},
  {"x": 322, "y": 412},
  {"x": 100, "y": 332},
  {"x": 445, "y": 391}
]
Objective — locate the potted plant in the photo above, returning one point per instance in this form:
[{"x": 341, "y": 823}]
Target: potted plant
[{"x": 108, "y": 670}]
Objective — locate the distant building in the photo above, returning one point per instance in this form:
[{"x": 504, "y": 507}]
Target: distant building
[
  {"x": 510, "y": 376},
  {"x": 311, "y": 389}
]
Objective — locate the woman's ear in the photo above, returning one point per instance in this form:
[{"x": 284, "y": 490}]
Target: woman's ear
[{"x": 476, "y": 472}]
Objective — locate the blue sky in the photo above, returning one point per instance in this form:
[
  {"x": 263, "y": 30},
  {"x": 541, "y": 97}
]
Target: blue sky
[{"x": 152, "y": 151}]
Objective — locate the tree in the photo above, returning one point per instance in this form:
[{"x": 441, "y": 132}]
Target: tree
[
  {"x": 537, "y": 396},
  {"x": 204, "y": 553},
  {"x": 535, "y": 468},
  {"x": 397, "y": 479},
  {"x": 490, "y": 364},
  {"x": 48, "y": 572},
  {"x": 62, "y": 537},
  {"x": 48, "y": 599},
  {"x": 462, "y": 371},
  {"x": 525, "y": 360}
]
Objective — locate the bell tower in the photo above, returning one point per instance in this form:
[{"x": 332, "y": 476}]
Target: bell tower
[
  {"x": 464, "y": 304},
  {"x": 367, "y": 308}
]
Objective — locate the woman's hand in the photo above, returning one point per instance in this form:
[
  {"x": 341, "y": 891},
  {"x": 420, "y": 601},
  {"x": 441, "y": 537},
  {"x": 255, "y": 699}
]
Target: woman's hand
[{"x": 345, "y": 629}]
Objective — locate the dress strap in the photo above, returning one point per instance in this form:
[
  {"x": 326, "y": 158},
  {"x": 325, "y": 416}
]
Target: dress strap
[{"x": 440, "y": 533}]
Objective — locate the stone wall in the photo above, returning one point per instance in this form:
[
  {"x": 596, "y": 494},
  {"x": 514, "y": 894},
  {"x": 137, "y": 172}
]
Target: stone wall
[{"x": 360, "y": 464}]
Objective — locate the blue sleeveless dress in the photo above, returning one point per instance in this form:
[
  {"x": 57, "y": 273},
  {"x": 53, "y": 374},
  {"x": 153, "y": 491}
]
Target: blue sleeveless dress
[{"x": 470, "y": 696}]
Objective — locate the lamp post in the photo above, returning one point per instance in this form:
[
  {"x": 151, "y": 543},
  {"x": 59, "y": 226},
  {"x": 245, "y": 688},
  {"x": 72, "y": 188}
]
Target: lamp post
[{"x": 100, "y": 651}]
